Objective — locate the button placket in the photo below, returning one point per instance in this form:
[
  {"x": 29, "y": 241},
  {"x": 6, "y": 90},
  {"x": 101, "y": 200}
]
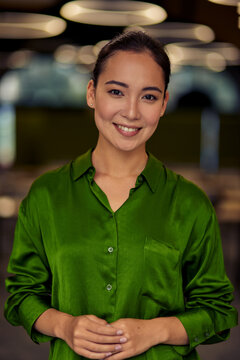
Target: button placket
[{"x": 110, "y": 249}]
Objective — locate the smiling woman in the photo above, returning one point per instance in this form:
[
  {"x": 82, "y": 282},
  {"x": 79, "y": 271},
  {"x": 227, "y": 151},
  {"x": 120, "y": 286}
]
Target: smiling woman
[{"x": 112, "y": 257}]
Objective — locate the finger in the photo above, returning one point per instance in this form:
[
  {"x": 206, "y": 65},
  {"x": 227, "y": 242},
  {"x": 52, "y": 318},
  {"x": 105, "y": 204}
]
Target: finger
[
  {"x": 92, "y": 355},
  {"x": 103, "y": 339},
  {"x": 117, "y": 325},
  {"x": 104, "y": 322},
  {"x": 102, "y": 348},
  {"x": 102, "y": 329},
  {"x": 119, "y": 355}
]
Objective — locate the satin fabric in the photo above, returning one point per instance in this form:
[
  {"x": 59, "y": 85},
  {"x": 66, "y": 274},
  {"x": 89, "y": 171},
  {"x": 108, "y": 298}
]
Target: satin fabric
[{"x": 158, "y": 255}]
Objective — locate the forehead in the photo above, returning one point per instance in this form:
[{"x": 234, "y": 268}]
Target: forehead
[{"x": 132, "y": 66}]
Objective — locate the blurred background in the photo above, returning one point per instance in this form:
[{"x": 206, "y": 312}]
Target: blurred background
[{"x": 47, "y": 52}]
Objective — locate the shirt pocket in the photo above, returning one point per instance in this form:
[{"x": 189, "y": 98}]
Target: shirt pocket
[{"x": 161, "y": 294}]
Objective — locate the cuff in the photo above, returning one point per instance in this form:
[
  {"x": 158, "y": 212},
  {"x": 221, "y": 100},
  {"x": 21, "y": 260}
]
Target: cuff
[
  {"x": 29, "y": 310},
  {"x": 199, "y": 327}
]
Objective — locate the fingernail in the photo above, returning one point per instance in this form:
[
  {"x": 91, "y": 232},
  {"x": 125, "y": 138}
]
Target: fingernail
[
  {"x": 108, "y": 354},
  {"x": 118, "y": 347},
  {"x": 123, "y": 340},
  {"x": 119, "y": 332}
]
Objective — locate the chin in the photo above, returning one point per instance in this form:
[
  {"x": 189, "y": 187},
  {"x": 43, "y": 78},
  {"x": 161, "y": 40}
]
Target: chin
[{"x": 129, "y": 147}]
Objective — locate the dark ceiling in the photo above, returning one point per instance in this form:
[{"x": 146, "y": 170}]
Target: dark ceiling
[{"x": 222, "y": 19}]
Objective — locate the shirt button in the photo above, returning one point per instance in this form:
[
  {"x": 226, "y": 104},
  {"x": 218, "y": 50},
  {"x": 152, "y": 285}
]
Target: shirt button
[
  {"x": 110, "y": 249},
  {"x": 196, "y": 339},
  {"x": 109, "y": 287},
  {"x": 207, "y": 334}
]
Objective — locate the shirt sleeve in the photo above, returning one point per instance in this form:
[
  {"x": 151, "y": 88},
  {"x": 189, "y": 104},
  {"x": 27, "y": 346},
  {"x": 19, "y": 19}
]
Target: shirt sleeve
[
  {"x": 208, "y": 314},
  {"x": 31, "y": 283}
]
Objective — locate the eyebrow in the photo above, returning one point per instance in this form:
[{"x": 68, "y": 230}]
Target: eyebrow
[
  {"x": 117, "y": 83},
  {"x": 152, "y": 88},
  {"x": 155, "y": 88}
]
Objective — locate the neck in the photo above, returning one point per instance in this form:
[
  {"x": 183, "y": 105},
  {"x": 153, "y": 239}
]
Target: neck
[{"x": 117, "y": 163}]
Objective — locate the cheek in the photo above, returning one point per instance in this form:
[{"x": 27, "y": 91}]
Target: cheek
[
  {"x": 105, "y": 110},
  {"x": 152, "y": 118}
]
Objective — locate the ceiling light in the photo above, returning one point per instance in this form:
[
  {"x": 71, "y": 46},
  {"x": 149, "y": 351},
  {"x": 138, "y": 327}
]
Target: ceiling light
[
  {"x": 26, "y": 25},
  {"x": 72, "y": 54},
  {"x": 9, "y": 88},
  {"x": 204, "y": 33},
  {"x": 86, "y": 55},
  {"x": 215, "y": 56},
  {"x": 225, "y": 2},
  {"x": 66, "y": 54},
  {"x": 97, "y": 47},
  {"x": 113, "y": 13},
  {"x": 175, "y": 31},
  {"x": 69, "y": 54},
  {"x": 7, "y": 206},
  {"x": 215, "y": 61},
  {"x": 19, "y": 59}
]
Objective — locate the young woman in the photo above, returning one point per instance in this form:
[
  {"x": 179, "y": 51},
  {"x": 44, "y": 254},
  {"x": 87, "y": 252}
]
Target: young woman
[{"x": 115, "y": 255}]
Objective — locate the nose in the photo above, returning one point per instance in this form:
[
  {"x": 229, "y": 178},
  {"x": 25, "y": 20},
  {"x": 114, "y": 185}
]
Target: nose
[{"x": 131, "y": 109}]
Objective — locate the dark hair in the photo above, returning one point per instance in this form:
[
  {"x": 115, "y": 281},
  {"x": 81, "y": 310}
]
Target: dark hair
[{"x": 136, "y": 41}]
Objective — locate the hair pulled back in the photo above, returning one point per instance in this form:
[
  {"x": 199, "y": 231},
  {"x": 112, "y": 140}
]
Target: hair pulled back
[{"x": 136, "y": 41}]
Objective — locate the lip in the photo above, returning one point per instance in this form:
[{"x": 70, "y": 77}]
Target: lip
[{"x": 127, "y": 133}]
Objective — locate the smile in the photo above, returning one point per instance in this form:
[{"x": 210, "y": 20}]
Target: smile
[{"x": 127, "y": 129}]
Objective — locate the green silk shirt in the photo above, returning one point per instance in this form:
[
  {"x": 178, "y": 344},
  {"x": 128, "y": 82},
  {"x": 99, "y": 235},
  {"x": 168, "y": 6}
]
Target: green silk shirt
[{"x": 158, "y": 255}]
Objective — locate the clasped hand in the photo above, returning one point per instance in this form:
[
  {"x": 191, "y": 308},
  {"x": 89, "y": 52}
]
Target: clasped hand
[{"x": 94, "y": 338}]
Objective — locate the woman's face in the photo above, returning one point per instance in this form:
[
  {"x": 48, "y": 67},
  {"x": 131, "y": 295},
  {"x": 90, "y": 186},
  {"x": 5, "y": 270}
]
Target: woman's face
[{"x": 128, "y": 100}]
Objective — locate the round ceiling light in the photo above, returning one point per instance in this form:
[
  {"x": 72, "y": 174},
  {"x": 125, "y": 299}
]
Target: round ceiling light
[
  {"x": 113, "y": 13},
  {"x": 28, "y": 26},
  {"x": 179, "y": 32},
  {"x": 79, "y": 55},
  {"x": 216, "y": 56},
  {"x": 225, "y": 2}
]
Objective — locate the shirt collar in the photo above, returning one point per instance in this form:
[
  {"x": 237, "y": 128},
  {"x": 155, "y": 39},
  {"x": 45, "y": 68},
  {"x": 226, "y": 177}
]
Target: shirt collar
[
  {"x": 151, "y": 173},
  {"x": 82, "y": 164}
]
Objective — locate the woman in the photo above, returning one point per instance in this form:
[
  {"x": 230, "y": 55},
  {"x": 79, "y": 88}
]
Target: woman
[{"x": 115, "y": 255}]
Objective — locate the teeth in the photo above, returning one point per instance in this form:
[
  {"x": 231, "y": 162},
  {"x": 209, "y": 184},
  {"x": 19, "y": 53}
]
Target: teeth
[{"x": 127, "y": 129}]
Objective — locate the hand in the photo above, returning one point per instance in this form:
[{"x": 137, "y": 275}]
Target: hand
[
  {"x": 139, "y": 334},
  {"x": 92, "y": 337}
]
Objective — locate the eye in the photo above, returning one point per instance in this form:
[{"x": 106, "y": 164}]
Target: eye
[
  {"x": 150, "y": 97},
  {"x": 115, "y": 92}
]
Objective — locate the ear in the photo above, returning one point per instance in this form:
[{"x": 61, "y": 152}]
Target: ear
[
  {"x": 164, "y": 105},
  {"x": 91, "y": 94}
]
